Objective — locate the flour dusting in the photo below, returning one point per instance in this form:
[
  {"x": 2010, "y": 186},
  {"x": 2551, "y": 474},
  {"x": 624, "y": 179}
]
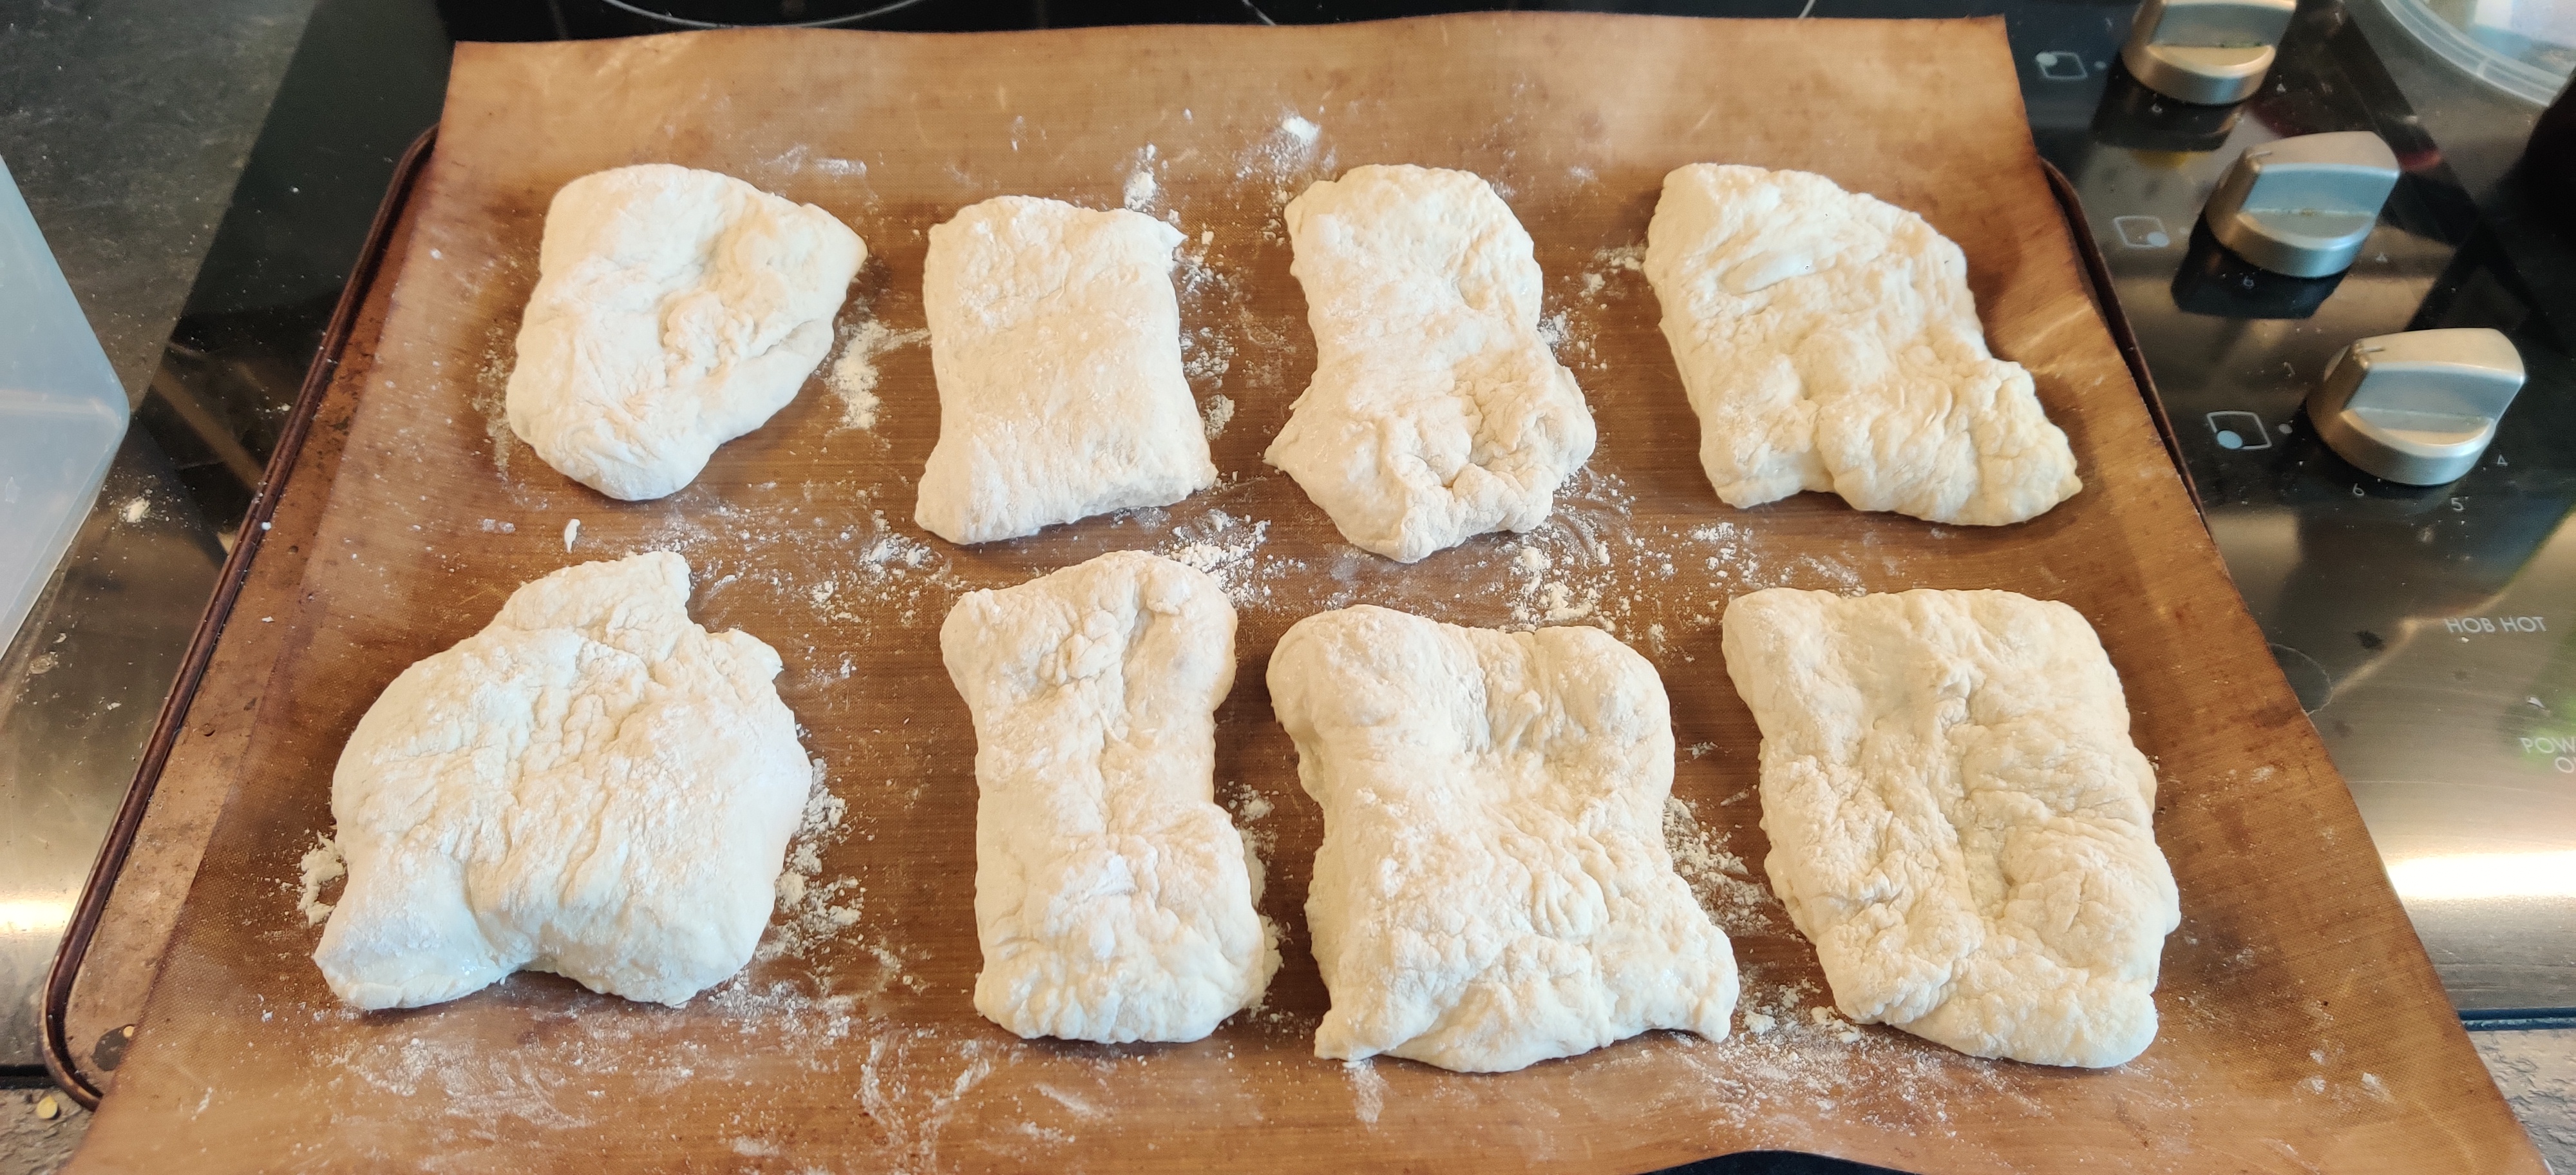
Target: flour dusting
[
  {"x": 1285, "y": 160},
  {"x": 320, "y": 867},
  {"x": 853, "y": 378},
  {"x": 1726, "y": 888},
  {"x": 1218, "y": 413},
  {"x": 1631, "y": 258},
  {"x": 1140, "y": 189},
  {"x": 1368, "y": 1090},
  {"x": 1227, "y": 549},
  {"x": 814, "y": 912}
]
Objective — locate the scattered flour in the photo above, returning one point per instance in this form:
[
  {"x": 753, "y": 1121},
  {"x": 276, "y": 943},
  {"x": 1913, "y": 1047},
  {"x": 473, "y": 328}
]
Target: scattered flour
[
  {"x": 1228, "y": 549},
  {"x": 812, "y": 911},
  {"x": 1368, "y": 1090},
  {"x": 913, "y": 1118},
  {"x": 1249, "y": 809},
  {"x": 321, "y": 866},
  {"x": 491, "y": 393},
  {"x": 1725, "y": 887},
  {"x": 1218, "y": 413},
  {"x": 1285, "y": 160},
  {"x": 853, "y": 376},
  {"x": 1207, "y": 294},
  {"x": 1141, "y": 187}
]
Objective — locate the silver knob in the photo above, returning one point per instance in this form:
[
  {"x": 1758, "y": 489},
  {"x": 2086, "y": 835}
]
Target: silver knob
[
  {"x": 2417, "y": 408},
  {"x": 2205, "y": 52},
  {"x": 2303, "y": 206}
]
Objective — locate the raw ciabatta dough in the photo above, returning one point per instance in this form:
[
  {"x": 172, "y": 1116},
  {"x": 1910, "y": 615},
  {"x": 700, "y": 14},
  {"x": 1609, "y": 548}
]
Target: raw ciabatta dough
[
  {"x": 593, "y": 785},
  {"x": 1493, "y": 887},
  {"x": 1113, "y": 898},
  {"x": 1828, "y": 342},
  {"x": 1056, "y": 341},
  {"x": 675, "y": 310},
  {"x": 1957, "y": 817},
  {"x": 1436, "y": 413}
]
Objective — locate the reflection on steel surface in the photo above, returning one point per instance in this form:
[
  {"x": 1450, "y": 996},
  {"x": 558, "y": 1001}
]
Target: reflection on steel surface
[
  {"x": 2485, "y": 876},
  {"x": 2431, "y": 633}
]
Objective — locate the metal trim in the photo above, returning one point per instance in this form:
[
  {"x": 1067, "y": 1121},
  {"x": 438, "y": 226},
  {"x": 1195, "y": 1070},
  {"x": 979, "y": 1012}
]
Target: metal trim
[
  {"x": 2107, "y": 301},
  {"x": 74, "y": 948}
]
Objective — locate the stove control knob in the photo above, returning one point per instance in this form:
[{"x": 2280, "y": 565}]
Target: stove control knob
[
  {"x": 2205, "y": 52},
  {"x": 2417, "y": 408},
  {"x": 2303, "y": 206}
]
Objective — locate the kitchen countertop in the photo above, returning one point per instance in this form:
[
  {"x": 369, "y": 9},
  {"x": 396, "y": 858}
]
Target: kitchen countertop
[
  {"x": 132, "y": 131},
  {"x": 127, "y": 126},
  {"x": 205, "y": 174}
]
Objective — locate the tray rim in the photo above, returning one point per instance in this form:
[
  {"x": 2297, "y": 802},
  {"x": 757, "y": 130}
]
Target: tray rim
[
  {"x": 60, "y": 977},
  {"x": 72, "y": 951}
]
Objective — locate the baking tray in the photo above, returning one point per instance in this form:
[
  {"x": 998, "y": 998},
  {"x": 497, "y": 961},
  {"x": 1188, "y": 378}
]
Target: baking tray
[{"x": 2302, "y": 1025}]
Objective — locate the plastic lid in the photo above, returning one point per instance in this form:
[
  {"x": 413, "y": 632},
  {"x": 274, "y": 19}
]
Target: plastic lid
[{"x": 2525, "y": 48}]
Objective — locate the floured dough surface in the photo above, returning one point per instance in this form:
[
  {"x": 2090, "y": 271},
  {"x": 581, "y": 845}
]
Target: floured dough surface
[
  {"x": 1113, "y": 897},
  {"x": 675, "y": 310},
  {"x": 1056, "y": 340},
  {"x": 1957, "y": 817},
  {"x": 1493, "y": 887},
  {"x": 593, "y": 785},
  {"x": 1437, "y": 413},
  {"x": 1828, "y": 341}
]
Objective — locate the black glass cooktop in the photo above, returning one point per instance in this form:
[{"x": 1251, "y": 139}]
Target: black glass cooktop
[{"x": 2429, "y": 632}]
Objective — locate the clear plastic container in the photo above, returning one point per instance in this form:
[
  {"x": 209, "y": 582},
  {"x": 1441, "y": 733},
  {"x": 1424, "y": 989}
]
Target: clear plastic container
[
  {"x": 2525, "y": 48},
  {"x": 62, "y": 411}
]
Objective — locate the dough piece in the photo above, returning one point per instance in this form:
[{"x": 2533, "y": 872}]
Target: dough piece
[
  {"x": 1828, "y": 342},
  {"x": 1437, "y": 413},
  {"x": 1113, "y": 898},
  {"x": 1493, "y": 887},
  {"x": 1957, "y": 817},
  {"x": 593, "y": 786},
  {"x": 1057, "y": 343},
  {"x": 674, "y": 311}
]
